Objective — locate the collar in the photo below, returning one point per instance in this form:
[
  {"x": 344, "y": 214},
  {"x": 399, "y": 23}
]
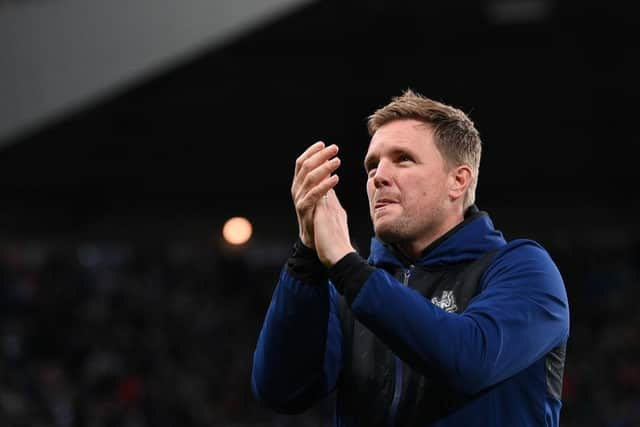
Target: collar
[{"x": 467, "y": 241}]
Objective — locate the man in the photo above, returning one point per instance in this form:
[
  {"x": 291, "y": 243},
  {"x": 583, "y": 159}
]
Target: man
[{"x": 447, "y": 324}]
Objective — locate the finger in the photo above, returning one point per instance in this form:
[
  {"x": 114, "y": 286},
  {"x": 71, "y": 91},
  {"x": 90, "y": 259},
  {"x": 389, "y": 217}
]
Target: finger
[
  {"x": 315, "y": 194},
  {"x": 316, "y": 158},
  {"x": 309, "y": 164},
  {"x": 331, "y": 199},
  {"x": 330, "y": 196},
  {"x": 318, "y": 174},
  {"x": 314, "y": 148}
]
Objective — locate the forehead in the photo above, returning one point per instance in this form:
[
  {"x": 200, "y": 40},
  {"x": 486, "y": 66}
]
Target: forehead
[{"x": 406, "y": 134}]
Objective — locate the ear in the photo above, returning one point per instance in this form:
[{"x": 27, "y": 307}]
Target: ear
[{"x": 459, "y": 181}]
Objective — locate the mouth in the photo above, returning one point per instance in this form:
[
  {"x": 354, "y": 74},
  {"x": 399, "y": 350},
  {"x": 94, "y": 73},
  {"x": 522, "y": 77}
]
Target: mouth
[{"x": 383, "y": 203}]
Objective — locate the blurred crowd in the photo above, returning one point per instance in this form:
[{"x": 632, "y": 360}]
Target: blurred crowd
[{"x": 105, "y": 334}]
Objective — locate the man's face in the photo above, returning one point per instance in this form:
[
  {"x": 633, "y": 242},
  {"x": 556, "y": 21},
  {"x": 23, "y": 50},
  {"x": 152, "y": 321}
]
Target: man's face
[{"x": 407, "y": 182}]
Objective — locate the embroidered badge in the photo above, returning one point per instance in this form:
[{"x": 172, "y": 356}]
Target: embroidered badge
[{"x": 447, "y": 302}]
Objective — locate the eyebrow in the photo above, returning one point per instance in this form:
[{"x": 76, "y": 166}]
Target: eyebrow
[{"x": 373, "y": 158}]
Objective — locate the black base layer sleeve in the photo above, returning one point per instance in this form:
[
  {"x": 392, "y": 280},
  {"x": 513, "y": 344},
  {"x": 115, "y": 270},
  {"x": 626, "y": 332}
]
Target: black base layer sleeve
[
  {"x": 349, "y": 275},
  {"x": 304, "y": 265}
]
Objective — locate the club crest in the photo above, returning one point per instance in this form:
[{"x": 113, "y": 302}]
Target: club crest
[{"x": 447, "y": 302}]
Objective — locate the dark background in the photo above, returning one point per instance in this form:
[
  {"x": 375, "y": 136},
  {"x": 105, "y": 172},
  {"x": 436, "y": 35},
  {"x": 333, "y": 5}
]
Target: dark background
[{"x": 116, "y": 209}]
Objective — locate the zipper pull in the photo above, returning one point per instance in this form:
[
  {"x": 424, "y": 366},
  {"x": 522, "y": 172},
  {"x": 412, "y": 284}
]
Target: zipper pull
[{"x": 407, "y": 274}]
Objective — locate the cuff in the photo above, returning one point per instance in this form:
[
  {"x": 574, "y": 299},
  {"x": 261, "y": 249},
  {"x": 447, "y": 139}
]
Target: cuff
[
  {"x": 349, "y": 275},
  {"x": 304, "y": 265}
]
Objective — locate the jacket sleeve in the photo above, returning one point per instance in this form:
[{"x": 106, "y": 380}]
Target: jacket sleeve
[
  {"x": 298, "y": 353},
  {"x": 520, "y": 315}
]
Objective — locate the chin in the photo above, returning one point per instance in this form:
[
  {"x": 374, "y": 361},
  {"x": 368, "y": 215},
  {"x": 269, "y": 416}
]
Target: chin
[{"x": 386, "y": 232}]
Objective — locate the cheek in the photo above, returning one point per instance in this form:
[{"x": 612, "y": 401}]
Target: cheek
[
  {"x": 370, "y": 189},
  {"x": 419, "y": 191}
]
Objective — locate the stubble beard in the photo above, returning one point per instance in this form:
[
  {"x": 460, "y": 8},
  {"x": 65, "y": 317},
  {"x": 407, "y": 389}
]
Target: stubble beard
[
  {"x": 406, "y": 229},
  {"x": 396, "y": 231}
]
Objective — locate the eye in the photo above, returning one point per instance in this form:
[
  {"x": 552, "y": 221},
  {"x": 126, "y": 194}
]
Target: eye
[
  {"x": 404, "y": 158},
  {"x": 371, "y": 172},
  {"x": 370, "y": 166}
]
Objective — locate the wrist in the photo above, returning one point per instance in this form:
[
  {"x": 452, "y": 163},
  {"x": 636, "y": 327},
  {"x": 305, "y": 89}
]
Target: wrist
[
  {"x": 332, "y": 258},
  {"x": 305, "y": 240}
]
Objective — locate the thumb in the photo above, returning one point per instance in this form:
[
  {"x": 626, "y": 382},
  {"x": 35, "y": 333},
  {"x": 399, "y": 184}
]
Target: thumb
[{"x": 332, "y": 197}]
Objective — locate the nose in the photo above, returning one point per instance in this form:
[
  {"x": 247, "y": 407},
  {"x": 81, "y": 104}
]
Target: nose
[{"x": 382, "y": 175}]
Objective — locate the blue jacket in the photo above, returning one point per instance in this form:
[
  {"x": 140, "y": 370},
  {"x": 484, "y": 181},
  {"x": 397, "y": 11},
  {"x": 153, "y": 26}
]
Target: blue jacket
[{"x": 495, "y": 352}]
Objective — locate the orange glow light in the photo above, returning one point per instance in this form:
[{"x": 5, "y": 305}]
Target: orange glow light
[{"x": 237, "y": 230}]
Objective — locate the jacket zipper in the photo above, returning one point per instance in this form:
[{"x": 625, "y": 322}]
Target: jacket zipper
[{"x": 397, "y": 386}]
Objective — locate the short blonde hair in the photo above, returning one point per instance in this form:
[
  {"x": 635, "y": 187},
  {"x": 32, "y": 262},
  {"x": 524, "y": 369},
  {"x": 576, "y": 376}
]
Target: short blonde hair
[{"x": 455, "y": 135}]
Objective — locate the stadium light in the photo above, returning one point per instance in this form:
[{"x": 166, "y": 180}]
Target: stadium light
[{"x": 237, "y": 230}]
